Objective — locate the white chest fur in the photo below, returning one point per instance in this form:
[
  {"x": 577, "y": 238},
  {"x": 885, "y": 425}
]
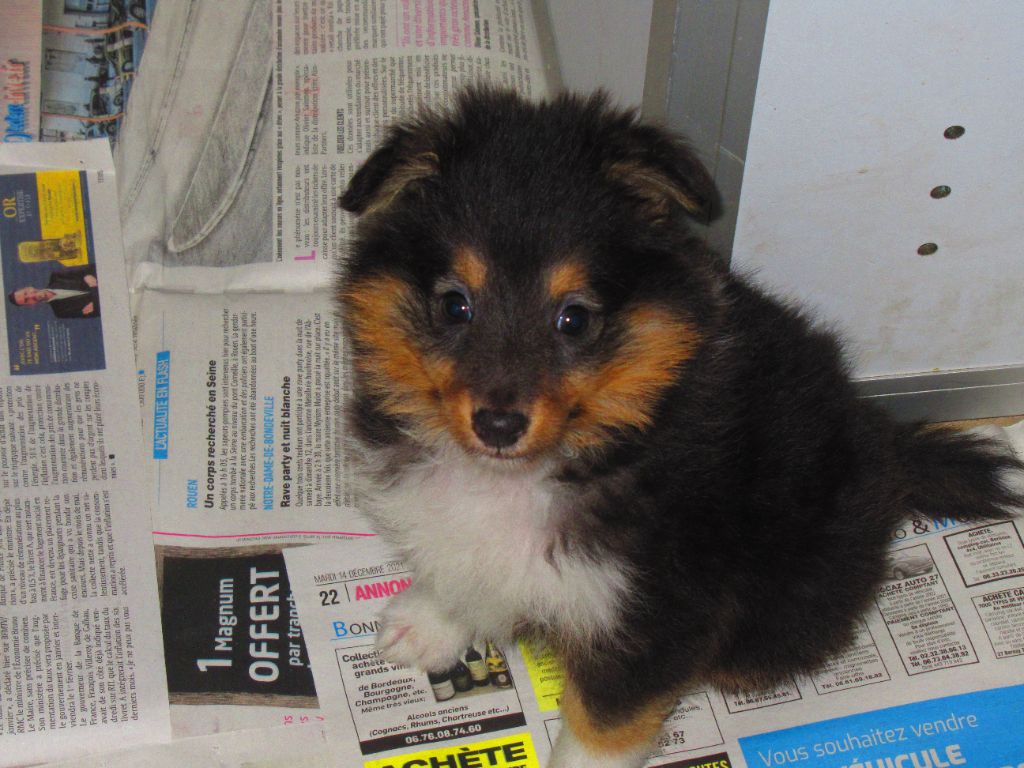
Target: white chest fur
[{"x": 484, "y": 539}]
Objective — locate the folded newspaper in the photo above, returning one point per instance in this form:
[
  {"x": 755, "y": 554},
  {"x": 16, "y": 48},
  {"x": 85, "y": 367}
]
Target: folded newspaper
[{"x": 227, "y": 180}]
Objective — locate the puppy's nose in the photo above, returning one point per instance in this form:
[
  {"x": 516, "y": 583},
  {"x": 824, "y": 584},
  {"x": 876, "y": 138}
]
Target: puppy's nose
[{"x": 499, "y": 429}]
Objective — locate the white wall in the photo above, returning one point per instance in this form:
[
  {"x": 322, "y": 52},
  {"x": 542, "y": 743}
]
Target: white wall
[
  {"x": 846, "y": 143},
  {"x": 603, "y": 43}
]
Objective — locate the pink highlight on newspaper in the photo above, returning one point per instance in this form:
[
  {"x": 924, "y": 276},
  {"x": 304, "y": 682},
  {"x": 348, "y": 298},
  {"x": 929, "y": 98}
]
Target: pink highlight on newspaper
[
  {"x": 434, "y": 23},
  {"x": 258, "y": 535}
]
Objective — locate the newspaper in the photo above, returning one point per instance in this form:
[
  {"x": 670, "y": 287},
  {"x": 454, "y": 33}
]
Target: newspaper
[
  {"x": 242, "y": 130},
  {"x": 81, "y": 667},
  {"x": 935, "y": 677},
  {"x": 230, "y": 172}
]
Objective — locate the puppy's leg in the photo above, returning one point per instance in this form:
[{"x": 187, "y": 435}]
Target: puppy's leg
[
  {"x": 589, "y": 741},
  {"x": 417, "y": 631}
]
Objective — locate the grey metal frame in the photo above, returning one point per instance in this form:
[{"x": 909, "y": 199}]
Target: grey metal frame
[
  {"x": 702, "y": 64},
  {"x": 702, "y": 67}
]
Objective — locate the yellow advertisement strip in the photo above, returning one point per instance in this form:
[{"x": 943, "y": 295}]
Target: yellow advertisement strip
[
  {"x": 506, "y": 752},
  {"x": 546, "y": 674},
  {"x": 61, "y": 221}
]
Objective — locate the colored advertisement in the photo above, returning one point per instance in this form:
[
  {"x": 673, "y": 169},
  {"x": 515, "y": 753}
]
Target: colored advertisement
[
  {"x": 507, "y": 752},
  {"x": 49, "y": 274},
  {"x": 973, "y": 729},
  {"x": 231, "y": 628}
]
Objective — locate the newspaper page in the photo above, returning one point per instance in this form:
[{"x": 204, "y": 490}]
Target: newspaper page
[
  {"x": 934, "y": 679},
  {"x": 232, "y": 245},
  {"x": 80, "y": 654},
  {"x": 306, "y": 745},
  {"x": 20, "y": 37}
]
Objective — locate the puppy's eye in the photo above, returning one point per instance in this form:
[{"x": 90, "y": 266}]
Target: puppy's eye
[
  {"x": 456, "y": 307},
  {"x": 573, "y": 320}
]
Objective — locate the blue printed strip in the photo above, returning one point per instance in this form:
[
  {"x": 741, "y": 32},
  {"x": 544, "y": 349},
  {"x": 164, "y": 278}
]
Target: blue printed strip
[
  {"x": 983, "y": 729},
  {"x": 161, "y": 404}
]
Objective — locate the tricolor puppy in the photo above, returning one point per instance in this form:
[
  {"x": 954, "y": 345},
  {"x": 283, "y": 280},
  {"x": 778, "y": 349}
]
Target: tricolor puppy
[{"x": 575, "y": 424}]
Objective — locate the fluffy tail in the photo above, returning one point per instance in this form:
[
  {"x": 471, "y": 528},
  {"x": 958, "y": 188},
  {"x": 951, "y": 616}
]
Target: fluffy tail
[{"x": 960, "y": 475}]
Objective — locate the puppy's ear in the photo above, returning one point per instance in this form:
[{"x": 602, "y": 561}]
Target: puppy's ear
[
  {"x": 663, "y": 173},
  {"x": 391, "y": 169}
]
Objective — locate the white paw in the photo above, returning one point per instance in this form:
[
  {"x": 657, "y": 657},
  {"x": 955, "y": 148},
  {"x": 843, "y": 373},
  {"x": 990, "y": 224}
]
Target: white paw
[{"x": 416, "y": 632}]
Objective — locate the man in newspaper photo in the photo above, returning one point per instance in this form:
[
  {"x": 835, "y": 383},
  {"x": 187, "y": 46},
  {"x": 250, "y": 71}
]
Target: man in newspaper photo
[{"x": 71, "y": 292}]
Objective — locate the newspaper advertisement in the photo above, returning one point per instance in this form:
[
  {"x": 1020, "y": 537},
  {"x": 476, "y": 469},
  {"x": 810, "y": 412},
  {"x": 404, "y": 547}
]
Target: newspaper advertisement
[
  {"x": 232, "y": 246},
  {"x": 934, "y": 678},
  {"x": 81, "y": 667}
]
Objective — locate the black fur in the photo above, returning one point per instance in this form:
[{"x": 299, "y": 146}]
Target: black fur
[{"x": 759, "y": 507}]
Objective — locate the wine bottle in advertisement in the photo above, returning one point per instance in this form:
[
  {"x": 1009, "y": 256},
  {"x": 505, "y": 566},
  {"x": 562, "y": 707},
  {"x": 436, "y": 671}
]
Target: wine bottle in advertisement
[
  {"x": 441, "y": 685},
  {"x": 461, "y": 678},
  {"x": 477, "y": 667},
  {"x": 497, "y": 667}
]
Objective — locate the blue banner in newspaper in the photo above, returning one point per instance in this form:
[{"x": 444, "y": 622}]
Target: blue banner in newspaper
[
  {"x": 161, "y": 404},
  {"x": 983, "y": 729},
  {"x": 49, "y": 274}
]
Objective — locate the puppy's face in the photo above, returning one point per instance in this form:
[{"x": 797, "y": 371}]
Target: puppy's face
[{"x": 510, "y": 290}]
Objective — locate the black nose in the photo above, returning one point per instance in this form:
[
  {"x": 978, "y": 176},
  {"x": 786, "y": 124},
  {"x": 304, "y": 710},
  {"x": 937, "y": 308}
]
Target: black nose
[{"x": 499, "y": 429}]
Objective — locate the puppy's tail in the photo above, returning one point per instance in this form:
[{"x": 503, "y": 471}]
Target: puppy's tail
[{"x": 950, "y": 474}]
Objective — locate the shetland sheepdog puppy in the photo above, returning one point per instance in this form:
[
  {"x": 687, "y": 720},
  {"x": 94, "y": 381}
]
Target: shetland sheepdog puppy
[{"x": 575, "y": 424}]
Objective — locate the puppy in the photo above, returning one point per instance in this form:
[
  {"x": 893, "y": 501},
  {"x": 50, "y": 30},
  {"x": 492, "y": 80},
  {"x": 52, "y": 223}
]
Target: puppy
[{"x": 575, "y": 424}]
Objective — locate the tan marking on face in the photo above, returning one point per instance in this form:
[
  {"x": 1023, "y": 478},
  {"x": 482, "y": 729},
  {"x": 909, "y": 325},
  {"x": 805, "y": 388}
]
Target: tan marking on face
[
  {"x": 418, "y": 167},
  {"x": 469, "y": 268},
  {"x": 632, "y": 732},
  {"x": 654, "y": 188},
  {"x": 565, "y": 278},
  {"x": 458, "y": 414},
  {"x": 623, "y": 392},
  {"x": 589, "y": 405},
  {"x": 408, "y": 382}
]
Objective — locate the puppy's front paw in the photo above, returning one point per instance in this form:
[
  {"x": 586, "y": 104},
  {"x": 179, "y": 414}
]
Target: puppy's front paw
[{"x": 416, "y": 632}]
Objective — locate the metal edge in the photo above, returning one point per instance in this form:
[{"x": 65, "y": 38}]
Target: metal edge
[
  {"x": 948, "y": 395},
  {"x": 702, "y": 83},
  {"x": 546, "y": 41},
  {"x": 658, "y": 69},
  {"x": 737, "y": 116}
]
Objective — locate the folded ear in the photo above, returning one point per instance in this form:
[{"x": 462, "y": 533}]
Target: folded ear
[
  {"x": 663, "y": 173},
  {"x": 391, "y": 169}
]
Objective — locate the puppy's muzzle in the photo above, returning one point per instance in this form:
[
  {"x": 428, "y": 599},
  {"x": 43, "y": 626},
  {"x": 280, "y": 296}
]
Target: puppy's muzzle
[{"x": 499, "y": 428}]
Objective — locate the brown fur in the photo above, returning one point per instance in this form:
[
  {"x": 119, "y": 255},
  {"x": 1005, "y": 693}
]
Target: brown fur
[
  {"x": 565, "y": 278},
  {"x": 469, "y": 268},
  {"x": 604, "y": 738},
  {"x": 623, "y": 392},
  {"x": 408, "y": 382},
  {"x": 418, "y": 167}
]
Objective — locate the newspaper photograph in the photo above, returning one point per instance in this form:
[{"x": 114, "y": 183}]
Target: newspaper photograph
[
  {"x": 49, "y": 272},
  {"x": 91, "y": 50},
  {"x": 81, "y": 665},
  {"x": 246, "y": 196}
]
